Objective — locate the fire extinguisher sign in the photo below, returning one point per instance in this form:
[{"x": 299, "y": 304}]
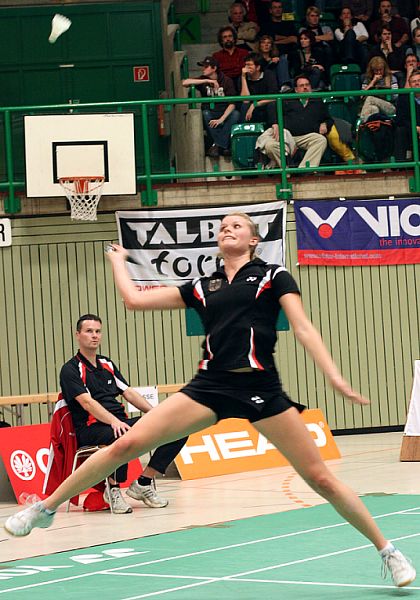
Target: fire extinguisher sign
[{"x": 141, "y": 73}]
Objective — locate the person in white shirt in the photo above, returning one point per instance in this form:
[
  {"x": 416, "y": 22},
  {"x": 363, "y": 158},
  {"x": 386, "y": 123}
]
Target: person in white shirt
[{"x": 352, "y": 36}]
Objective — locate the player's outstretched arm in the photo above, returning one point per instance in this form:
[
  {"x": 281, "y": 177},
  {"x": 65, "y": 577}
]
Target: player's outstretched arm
[
  {"x": 155, "y": 298},
  {"x": 311, "y": 340}
]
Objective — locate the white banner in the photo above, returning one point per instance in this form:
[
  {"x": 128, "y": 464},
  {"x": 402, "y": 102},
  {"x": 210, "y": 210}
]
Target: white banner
[
  {"x": 174, "y": 246},
  {"x": 412, "y": 426},
  {"x": 5, "y": 232}
]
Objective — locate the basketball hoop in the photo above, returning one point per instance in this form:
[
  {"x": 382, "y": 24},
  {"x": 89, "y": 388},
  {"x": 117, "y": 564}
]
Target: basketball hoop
[{"x": 84, "y": 194}]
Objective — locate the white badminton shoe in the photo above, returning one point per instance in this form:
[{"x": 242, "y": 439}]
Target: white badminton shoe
[
  {"x": 401, "y": 569},
  {"x": 117, "y": 503},
  {"x": 147, "y": 494},
  {"x": 23, "y": 522}
]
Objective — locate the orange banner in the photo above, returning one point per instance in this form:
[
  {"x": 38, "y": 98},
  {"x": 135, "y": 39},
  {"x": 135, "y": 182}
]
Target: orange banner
[{"x": 234, "y": 446}]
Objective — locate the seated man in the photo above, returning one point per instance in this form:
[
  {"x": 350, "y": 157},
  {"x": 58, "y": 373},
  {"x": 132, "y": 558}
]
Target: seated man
[
  {"x": 230, "y": 58},
  {"x": 218, "y": 121},
  {"x": 282, "y": 31},
  {"x": 398, "y": 26},
  {"x": 311, "y": 125},
  {"x": 393, "y": 55},
  {"x": 90, "y": 383},
  {"x": 255, "y": 82},
  {"x": 403, "y": 137},
  {"x": 411, "y": 64}
]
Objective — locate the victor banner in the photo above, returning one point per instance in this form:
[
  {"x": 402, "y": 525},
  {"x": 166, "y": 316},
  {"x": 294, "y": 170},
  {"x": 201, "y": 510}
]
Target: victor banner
[
  {"x": 358, "y": 232},
  {"x": 174, "y": 246}
]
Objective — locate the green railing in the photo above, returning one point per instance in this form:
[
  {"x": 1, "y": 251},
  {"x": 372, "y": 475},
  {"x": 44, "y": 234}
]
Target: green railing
[{"x": 148, "y": 178}]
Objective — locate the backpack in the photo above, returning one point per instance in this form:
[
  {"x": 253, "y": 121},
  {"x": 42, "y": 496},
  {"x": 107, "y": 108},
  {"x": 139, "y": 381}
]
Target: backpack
[{"x": 375, "y": 138}]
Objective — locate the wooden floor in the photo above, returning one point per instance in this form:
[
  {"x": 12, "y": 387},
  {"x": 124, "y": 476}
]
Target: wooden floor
[{"x": 369, "y": 464}]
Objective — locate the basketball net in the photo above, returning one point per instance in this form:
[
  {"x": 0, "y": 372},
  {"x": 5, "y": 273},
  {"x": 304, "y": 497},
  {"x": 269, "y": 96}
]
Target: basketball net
[{"x": 83, "y": 194}]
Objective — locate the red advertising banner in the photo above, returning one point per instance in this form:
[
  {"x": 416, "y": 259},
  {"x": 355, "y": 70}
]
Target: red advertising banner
[{"x": 24, "y": 451}]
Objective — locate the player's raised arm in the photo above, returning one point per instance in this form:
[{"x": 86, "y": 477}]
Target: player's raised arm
[{"x": 155, "y": 298}]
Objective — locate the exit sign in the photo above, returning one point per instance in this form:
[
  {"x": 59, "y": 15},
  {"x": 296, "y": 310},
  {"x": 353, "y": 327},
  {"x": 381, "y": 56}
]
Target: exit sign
[{"x": 141, "y": 73}]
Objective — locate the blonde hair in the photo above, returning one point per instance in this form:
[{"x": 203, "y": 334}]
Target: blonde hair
[
  {"x": 273, "y": 50},
  {"x": 252, "y": 226},
  {"x": 313, "y": 9},
  {"x": 377, "y": 62}
]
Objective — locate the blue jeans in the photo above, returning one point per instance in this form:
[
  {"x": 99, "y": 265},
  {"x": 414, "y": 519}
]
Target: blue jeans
[
  {"x": 220, "y": 135},
  {"x": 282, "y": 71}
]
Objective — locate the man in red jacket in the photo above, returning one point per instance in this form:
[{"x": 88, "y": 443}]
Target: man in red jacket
[{"x": 230, "y": 58}]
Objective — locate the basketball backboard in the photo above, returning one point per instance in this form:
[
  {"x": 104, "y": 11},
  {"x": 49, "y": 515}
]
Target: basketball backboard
[{"x": 79, "y": 145}]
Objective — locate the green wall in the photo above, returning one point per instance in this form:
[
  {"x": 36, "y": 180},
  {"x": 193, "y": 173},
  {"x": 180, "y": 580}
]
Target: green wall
[
  {"x": 92, "y": 62},
  {"x": 55, "y": 270}
]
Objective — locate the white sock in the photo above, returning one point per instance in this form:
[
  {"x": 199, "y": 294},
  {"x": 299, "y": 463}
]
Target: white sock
[{"x": 388, "y": 548}]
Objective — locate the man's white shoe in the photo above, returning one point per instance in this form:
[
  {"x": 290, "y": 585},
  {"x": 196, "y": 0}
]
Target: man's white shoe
[
  {"x": 401, "y": 569},
  {"x": 147, "y": 494},
  {"x": 23, "y": 522},
  {"x": 117, "y": 503}
]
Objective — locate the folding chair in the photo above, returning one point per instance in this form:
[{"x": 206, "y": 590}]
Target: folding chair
[{"x": 85, "y": 452}]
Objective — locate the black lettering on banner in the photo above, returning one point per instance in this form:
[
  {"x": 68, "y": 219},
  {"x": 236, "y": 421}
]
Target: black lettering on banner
[
  {"x": 174, "y": 246},
  {"x": 175, "y": 233},
  {"x": 2, "y": 232}
]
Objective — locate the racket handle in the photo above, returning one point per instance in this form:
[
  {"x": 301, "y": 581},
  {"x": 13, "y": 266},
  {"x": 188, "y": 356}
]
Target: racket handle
[{"x": 130, "y": 259}]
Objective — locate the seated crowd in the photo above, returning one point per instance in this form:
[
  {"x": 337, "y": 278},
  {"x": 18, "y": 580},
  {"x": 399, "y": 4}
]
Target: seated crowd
[{"x": 264, "y": 52}]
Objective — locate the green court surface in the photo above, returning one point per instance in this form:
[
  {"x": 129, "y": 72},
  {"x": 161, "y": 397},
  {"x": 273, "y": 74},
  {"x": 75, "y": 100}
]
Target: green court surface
[{"x": 296, "y": 555}]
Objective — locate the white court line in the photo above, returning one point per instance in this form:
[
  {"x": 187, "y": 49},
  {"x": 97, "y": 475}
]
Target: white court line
[
  {"x": 235, "y": 576},
  {"x": 161, "y": 576},
  {"x": 201, "y": 552},
  {"x": 327, "y": 584}
]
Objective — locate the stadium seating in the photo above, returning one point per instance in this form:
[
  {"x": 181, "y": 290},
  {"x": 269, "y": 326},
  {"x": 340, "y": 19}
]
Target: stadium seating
[{"x": 345, "y": 77}]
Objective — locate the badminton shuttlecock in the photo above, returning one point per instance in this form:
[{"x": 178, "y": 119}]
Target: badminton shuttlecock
[{"x": 59, "y": 25}]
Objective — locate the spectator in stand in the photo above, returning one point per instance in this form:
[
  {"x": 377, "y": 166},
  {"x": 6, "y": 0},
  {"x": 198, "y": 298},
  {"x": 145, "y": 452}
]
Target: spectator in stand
[
  {"x": 399, "y": 27},
  {"x": 251, "y": 11},
  {"x": 283, "y": 33},
  {"x": 415, "y": 47},
  {"x": 230, "y": 58},
  {"x": 311, "y": 125},
  {"x": 416, "y": 21},
  {"x": 393, "y": 55},
  {"x": 378, "y": 77},
  {"x": 246, "y": 31},
  {"x": 403, "y": 136},
  {"x": 255, "y": 81},
  {"x": 262, "y": 8},
  {"x": 273, "y": 62},
  {"x": 352, "y": 37},
  {"x": 218, "y": 121},
  {"x": 411, "y": 64},
  {"x": 308, "y": 60},
  {"x": 323, "y": 35},
  {"x": 361, "y": 9}
]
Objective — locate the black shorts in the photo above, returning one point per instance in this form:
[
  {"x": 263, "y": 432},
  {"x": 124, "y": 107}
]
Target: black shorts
[{"x": 253, "y": 396}]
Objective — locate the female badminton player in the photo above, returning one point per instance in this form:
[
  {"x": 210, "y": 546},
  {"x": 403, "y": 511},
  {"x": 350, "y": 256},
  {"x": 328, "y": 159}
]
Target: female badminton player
[{"x": 239, "y": 305}]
